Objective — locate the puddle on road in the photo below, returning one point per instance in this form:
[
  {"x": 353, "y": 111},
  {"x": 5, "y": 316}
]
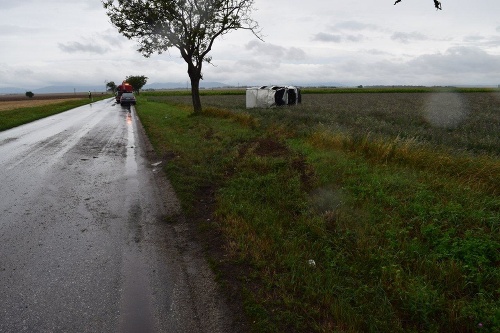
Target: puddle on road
[
  {"x": 5, "y": 141},
  {"x": 129, "y": 118},
  {"x": 130, "y": 162},
  {"x": 135, "y": 309}
]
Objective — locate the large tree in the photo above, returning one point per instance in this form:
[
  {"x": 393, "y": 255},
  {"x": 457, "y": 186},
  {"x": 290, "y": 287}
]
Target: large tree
[
  {"x": 191, "y": 26},
  {"x": 137, "y": 82},
  {"x": 111, "y": 86}
]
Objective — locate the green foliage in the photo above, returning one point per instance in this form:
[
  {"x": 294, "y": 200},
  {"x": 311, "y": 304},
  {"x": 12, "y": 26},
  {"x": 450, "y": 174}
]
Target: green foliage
[
  {"x": 111, "y": 86},
  {"x": 158, "y": 25},
  {"x": 137, "y": 82},
  {"x": 29, "y": 94}
]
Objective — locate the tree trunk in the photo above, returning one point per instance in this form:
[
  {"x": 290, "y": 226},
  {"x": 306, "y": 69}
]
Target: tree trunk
[{"x": 195, "y": 76}]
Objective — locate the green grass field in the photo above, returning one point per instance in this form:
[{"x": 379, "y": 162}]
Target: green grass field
[
  {"x": 20, "y": 116},
  {"x": 353, "y": 212}
]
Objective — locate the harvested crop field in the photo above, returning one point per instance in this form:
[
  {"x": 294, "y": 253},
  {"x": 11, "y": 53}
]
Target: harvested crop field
[
  {"x": 453, "y": 121},
  {"x": 10, "y": 102},
  {"x": 11, "y": 105}
]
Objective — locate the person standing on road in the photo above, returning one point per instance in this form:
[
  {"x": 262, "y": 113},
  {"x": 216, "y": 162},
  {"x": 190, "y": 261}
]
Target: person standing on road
[{"x": 90, "y": 95}]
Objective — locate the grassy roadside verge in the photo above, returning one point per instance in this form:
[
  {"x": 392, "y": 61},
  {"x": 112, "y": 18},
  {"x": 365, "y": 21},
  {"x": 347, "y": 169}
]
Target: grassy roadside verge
[
  {"x": 338, "y": 233},
  {"x": 17, "y": 117}
]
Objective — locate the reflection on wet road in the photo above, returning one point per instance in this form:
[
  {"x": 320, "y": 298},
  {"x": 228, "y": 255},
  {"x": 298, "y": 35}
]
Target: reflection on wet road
[{"x": 83, "y": 242}]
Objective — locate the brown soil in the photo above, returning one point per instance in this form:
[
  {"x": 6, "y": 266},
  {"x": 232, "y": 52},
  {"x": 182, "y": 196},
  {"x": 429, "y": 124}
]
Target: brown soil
[
  {"x": 10, "y": 102},
  {"x": 37, "y": 97},
  {"x": 234, "y": 275},
  {"x": 10, "y": 105}
]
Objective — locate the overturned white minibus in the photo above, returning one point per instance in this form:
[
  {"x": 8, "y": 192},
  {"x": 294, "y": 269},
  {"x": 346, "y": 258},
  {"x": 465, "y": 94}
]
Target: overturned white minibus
[{"x": 271, "y": 96}]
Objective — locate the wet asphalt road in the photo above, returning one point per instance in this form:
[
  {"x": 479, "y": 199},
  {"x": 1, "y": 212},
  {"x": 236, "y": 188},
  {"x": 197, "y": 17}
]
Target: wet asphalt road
[{"x": 85, "y": 245}]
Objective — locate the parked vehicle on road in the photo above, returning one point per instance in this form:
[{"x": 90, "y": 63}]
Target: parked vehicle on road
[
  {"x": 123, "y": 88},
  {"x": 127, "y": 99}
]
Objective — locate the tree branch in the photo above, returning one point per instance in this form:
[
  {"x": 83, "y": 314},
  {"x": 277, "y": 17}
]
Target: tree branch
[{"x": 437, "y": 4}]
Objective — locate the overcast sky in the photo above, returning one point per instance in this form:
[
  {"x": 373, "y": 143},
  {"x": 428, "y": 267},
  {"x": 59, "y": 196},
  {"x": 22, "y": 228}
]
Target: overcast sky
[{"x": 367, "y": 42}]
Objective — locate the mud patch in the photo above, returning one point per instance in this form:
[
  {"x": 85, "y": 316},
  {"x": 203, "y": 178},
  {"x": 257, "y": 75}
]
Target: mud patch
[
  {"x": 3, "y": 142},
  {"x": 264, "y": 147}
]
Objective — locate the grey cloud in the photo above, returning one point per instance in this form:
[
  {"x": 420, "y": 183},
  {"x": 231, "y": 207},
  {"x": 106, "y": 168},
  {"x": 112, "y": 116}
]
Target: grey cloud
[
  {"x": 461, "y": 60},
  {"x": 355, "y": 38},
  {"x": 474, "y": 38},
  {"x": 13, "y": 30},
  {"x": 490, "y": 41},
  {"x": 494, "y": 41},
  {"x": 112, "y": 39},
  {"x": 324, "y": 37},
  {"x": 294, "y": 53},
  {"x": 458, "y": 65},
  {"x": 405, "y": 37},
  {"x": 256, "y": 65},
  {"x": 354, "y": 26},
  {"x": 75, "y": 47},
  {"x": 8, "y": 4},
  {"x": 267, "y": 49},
  {"x": 498, "y": 28},
  {"x": 11, "y": 4},
  {"x": 331, "y": 38},
  {"x": 376, "y": 52},
  {"x": 23, "y": 72},
  {"x": 99, "y": 43}
]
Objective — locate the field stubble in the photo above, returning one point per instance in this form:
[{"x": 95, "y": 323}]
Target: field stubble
[
  {"x": 28, "y": 103},
  {"x": 459, "y": 122}
]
